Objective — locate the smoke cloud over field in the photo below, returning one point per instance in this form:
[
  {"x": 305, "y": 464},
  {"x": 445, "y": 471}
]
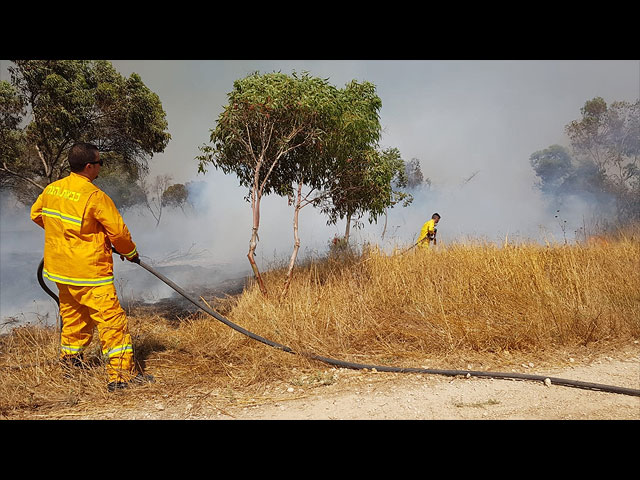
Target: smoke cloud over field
[{"x": 472, "y": 124}]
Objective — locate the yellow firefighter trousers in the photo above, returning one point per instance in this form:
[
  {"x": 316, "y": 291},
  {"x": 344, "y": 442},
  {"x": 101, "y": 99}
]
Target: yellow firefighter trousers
[
  {"x": 82, "y": 309},
  {"x": 426, "y": 243}
]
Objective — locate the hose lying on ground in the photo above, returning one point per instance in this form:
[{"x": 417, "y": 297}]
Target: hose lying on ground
[{"x": 379, "y": 368}]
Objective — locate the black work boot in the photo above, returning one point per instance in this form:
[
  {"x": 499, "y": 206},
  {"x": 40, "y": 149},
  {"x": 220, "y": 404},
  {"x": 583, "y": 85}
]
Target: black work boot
[{"x": 139, "y": 379}]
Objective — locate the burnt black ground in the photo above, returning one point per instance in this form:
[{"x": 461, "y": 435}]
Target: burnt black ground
[{"x": 176, "y": 308}]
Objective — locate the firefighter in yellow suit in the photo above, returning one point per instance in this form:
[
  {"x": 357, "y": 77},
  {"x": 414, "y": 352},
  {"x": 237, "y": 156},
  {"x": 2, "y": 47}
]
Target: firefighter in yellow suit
[
  {"x": 81, "y": 223},
  {"x": 428, "y": 232}
]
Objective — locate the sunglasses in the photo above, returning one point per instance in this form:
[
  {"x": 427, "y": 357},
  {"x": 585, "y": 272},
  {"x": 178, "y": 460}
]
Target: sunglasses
[{"x": 99, "y": 161}]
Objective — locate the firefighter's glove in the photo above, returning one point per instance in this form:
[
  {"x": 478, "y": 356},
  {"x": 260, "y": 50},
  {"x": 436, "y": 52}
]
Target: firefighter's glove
[{"x": 134, "y": 259}]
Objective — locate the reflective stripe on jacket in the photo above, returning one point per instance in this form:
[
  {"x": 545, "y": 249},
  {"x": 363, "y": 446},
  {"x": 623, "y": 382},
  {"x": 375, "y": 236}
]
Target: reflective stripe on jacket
[{"x": 81, "y": 223}]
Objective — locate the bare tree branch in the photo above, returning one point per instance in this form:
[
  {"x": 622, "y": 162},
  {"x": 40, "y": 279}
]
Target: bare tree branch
[{"x": 22, "y": 177}]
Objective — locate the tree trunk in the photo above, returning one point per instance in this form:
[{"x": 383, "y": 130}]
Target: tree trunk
[
  {"x": 253, "y": 243},
  {"x": 346, "y": 232},
  {"x": 384, "y": 230},
  {"x": 296, "y": 243}
]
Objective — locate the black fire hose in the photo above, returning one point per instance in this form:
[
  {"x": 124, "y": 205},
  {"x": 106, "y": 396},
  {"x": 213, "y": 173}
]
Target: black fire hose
[
  {"x": 379, "y": 368},
  {"x": 47, "y": 289}
]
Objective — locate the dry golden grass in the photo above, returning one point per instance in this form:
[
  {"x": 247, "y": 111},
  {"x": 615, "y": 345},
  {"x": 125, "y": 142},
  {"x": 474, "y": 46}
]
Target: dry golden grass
[{"x": 439, "y": 307}]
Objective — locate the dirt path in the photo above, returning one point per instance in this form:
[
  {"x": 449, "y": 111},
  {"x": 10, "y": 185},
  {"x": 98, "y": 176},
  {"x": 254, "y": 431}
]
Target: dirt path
[
  {"x": 365, "y": 395},
  {"x": 426, "y": 397}
]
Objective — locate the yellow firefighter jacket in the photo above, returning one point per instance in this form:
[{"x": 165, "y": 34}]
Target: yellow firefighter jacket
[
  {"x": 427, "y": 229},
  {"x": 81, "y": 223}
]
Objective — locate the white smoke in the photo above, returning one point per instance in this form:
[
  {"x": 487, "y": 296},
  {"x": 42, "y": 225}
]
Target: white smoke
[{"x": 21, "y": 241}]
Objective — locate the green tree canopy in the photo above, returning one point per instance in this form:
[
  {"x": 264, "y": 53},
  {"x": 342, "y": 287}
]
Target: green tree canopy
[
  {"x": 267, "y": 120},
  {"x": 370, "y": 182},
  {"x": 60, "y": 102},
  {"x": 362, "y": 177}
]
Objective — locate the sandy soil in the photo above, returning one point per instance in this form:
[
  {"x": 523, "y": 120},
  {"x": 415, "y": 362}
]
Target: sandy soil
[
  {"x": 426, "y": 397},
  {"x": 364, "y": 395}
]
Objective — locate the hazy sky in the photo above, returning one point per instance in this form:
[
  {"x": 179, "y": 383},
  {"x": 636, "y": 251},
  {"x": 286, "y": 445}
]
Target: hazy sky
[{"x": 458, "y": 117}]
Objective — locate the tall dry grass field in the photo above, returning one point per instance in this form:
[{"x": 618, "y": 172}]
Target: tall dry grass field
[
  {"x": 436, "y": 307},
  {"x": 479, "y": 297}
]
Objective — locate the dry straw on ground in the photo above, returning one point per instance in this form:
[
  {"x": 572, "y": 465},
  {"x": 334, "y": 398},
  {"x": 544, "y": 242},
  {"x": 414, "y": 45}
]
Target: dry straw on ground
[{"x": 438, "y": 307}]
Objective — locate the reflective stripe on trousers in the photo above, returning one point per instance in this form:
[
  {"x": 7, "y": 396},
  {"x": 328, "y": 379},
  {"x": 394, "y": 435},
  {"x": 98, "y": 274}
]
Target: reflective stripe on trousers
[{"x": 84, "y": 308}]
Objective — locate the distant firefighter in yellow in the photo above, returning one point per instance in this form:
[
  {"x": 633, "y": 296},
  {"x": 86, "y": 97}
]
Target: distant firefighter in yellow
[{"x": 428, "y": 232}]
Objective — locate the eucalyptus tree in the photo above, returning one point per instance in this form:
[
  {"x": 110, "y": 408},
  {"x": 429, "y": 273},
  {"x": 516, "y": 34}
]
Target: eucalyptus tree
[
  {"x": 603, "y": 161},
  {"x": 49, "y": 105},
  {"x": 268, "y": 122},
  {"x": 365, "y": 178},
  {"x": 356, "y": 129},
  {"x": 609, "y": 137},
  {"x": 372, "y": 181},
  {"x": 352, "y": 176}
]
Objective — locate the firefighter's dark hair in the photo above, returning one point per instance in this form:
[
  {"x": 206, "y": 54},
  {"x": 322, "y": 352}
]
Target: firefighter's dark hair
[
  {"x": 435, "y": 215},
  {"x": 81, "y": 154}
]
